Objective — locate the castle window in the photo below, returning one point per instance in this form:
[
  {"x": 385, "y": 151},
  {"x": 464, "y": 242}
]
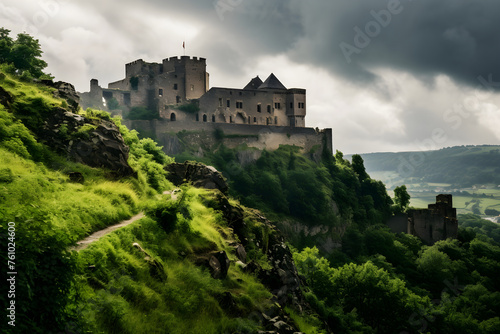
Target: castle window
[
  {"x": 172, "y": 117},
  {"x": 192, "y": 87},
  {"x": 175, "y": 76},
  {"x": 255, "y": 119},
  {"x": 301, "y": 105},
  {"x": 107, "y": 95},
  {"x": 259, "y": 108},
  {"x": 220, "y": 101},
  {"x": 277, "y": 105},
  {"x": 291, "y": 105},
  {"x": 204, "y": 118},
  {"x": 126, "y": 98},
  {"x": 160, "y": 92},
  {"x": 213, "y": 118},
  {"x": 269, "y": 108},
  {"x": 228, "y": 103},
  {"x": 175, "y": 87},
  {"x": 268, "y": 121},
  {"x": 230, "y": 119},
  {"x": 241, "y": 93},
  {"x": 177, "y": 99},
  {"x": 134, "y": 83},
  {"x": 239, "y": 105}
]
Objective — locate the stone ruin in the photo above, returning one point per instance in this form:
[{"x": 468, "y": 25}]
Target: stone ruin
[{"x": 437, "y": 222}]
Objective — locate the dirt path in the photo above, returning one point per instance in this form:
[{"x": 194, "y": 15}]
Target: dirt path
[{"x": 82, "y": 244}]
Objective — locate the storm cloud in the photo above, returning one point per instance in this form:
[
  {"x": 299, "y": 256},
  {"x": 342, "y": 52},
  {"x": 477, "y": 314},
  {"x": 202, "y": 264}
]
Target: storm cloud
[{"x": 384, "y": 74}]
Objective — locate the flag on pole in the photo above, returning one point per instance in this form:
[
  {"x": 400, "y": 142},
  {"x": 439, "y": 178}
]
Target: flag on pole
[{"x": 184, "y": 45}]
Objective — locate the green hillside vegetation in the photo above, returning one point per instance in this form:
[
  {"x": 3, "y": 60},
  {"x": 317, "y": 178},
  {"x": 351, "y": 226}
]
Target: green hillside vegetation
[
  {"x": 285, "y": 183},
  {"x": 152, "y": 275}
]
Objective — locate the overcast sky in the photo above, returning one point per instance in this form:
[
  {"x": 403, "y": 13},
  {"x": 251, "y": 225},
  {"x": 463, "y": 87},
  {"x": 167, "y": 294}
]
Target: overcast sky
[{"x": 386, "y": 75}]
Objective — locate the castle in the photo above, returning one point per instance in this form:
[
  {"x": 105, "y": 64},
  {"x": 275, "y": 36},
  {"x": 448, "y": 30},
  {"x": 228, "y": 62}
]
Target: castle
[
  {"x": 188, "y": 114},
  {"x": 164, "y": 88}
]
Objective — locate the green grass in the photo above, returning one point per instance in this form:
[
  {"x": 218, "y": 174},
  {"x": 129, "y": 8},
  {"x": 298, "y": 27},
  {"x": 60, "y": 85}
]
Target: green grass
[
  {"x": 121, "y": 295},
  {"x": 306, "y": 324},
  {"x": 77, "y": 209}
]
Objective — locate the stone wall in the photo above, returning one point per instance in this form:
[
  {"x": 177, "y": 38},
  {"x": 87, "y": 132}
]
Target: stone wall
[
  {"x": 256, "y": 136},
  {"x": 437, "y": 222}
]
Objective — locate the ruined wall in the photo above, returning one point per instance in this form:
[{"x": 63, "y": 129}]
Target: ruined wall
[{"x": 437, "y": 222}]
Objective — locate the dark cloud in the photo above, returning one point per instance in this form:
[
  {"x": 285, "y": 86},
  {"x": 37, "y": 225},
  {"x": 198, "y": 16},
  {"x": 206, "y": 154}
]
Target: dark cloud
[
  {"x": 458, "y": 38},
  {"x": 390, "y": 94}
]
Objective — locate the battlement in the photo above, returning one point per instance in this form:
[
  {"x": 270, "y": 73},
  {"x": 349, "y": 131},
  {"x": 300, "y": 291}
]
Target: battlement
[
  {"x": 183, "y": 59},
  {"x": 135, "y": 62}
]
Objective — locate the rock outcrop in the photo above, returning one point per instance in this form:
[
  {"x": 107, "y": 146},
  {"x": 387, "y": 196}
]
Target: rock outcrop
[
  {"x": 65, "y": 91},
  {"x": 199, "y": 175},
  {"x": 5, "y": 97},
  {"x": 96, "y": 142}
]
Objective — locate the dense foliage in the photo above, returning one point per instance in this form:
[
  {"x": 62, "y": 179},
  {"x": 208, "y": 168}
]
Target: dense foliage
[
  {"x": 287, "y": 183},
  {"x": 22, "y": 54},
  {"x": 387, "y": 283}
]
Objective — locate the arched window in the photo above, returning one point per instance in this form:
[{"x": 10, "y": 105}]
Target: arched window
[
  {"x": 172, "y": 117},
  {"x": 213, "y": 118},
  {"x": 204, "y": 118},
  {"x": 255, "y": 119}
]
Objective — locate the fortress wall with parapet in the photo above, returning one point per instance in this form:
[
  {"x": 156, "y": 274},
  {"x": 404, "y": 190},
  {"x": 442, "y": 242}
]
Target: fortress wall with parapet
[{"x": 256, "y": 136}]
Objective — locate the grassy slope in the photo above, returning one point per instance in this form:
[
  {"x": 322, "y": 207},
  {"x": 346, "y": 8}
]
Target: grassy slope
[
  {"x": 121, "y": 296},
  {"x": 56, "y": 288}
]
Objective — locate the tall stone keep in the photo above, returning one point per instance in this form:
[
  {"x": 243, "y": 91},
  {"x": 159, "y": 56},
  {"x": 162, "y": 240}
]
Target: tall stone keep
[{"x": 156, "y": 86}]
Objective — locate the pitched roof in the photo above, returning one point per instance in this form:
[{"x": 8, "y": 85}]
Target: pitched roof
[
  {"x": 254, "y": 83},
  {"x": 272, "y": 83}
]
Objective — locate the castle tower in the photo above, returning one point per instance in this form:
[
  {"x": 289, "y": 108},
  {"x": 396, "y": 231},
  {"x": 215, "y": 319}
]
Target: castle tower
[{"x": 188, "y": 77}]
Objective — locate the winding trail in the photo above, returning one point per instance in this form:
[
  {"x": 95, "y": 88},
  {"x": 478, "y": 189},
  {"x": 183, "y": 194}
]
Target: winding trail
[{"x": 84, "y": 243}]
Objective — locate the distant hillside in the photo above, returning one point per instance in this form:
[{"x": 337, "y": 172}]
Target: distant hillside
[{"x": 460, "y": 166}]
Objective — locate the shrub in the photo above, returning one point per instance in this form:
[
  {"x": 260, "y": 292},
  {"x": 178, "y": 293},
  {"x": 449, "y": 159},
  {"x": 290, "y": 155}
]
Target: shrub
[
  {"x": 165, "y": 214},
  {"x": 141, "y": 113}
]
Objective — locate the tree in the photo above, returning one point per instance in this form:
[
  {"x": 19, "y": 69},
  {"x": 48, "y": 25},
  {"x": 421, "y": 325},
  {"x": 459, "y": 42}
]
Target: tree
[
  {"x": 401, "y": 198},
  {"x": 359, "y": 167},
  {"x": 5, "y": 45},
  {"x": 24, "y": 53},
  {"x": 383, "y": 302}
]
